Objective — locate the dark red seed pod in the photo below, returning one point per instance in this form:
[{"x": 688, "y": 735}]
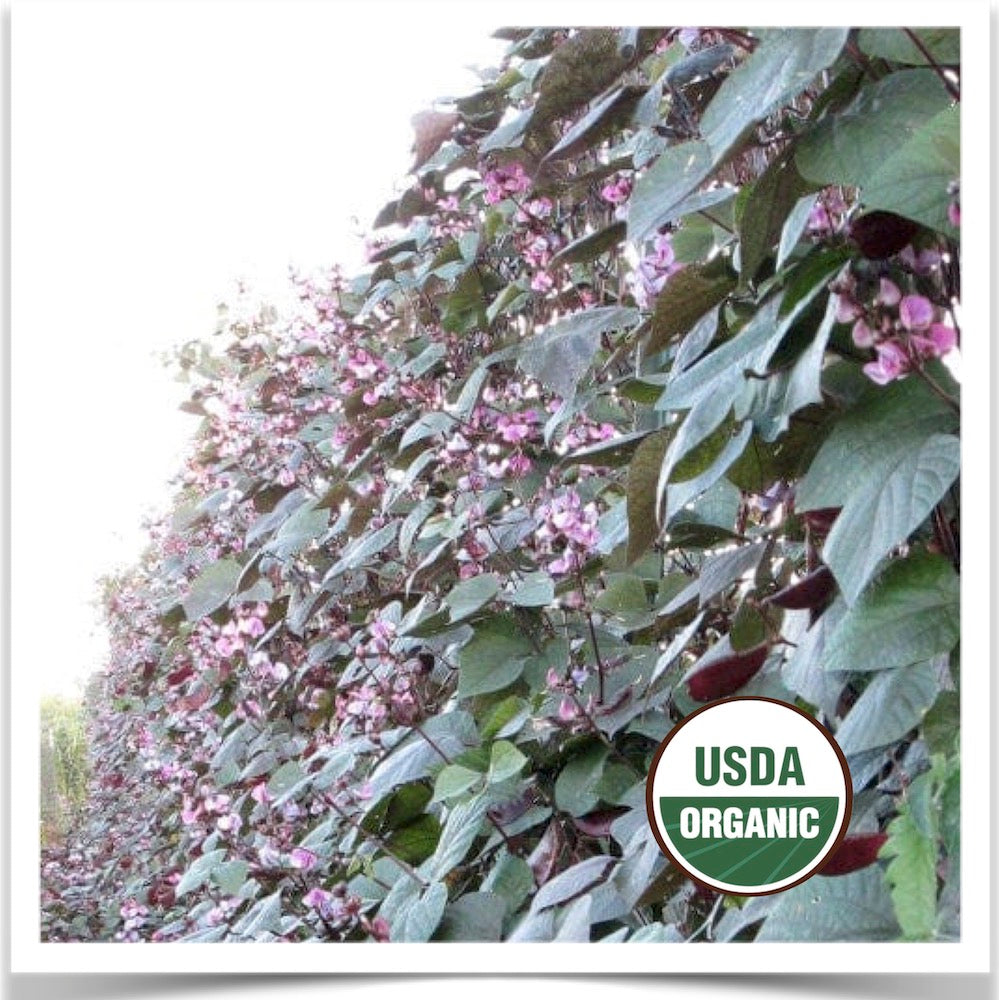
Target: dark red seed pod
[
  {"x": 820, "y": 521},
  {"x": 726, "y": 675},
  {"x": 882, "y": 234},
  {"x": 809, "y": 592},
  {"x": 599, "y": 823},
  {"x": 179, "y": 676},
  {"x": 856, "y": 851}
]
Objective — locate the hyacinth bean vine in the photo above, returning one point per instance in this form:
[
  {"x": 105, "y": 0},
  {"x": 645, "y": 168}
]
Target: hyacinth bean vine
[{"x": 645, "y": 399}]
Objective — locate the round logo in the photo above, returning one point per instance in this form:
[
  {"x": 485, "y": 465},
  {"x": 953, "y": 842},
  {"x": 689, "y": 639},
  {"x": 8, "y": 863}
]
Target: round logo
[{"x": 749, "y": 796}]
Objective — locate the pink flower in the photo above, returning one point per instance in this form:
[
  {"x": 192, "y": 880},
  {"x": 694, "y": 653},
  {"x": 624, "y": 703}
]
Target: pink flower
[
  {"x": 504, "y": 181},
  {"x": 663, "y": 256},
  {"x": 939, "y": 341},
  {"x": 888, "y": 293},
  {"x": 954, "y": 214},
  {"x": 892, "y": 363},
  {"x": 511, "y": 429},
  {"x": 863, "y": 336},
  {"x": 229, "y": 823},
  {"x": 915, "y": 312},
  {"x": 302, "y": 859},
  {"x": 317, "y": 899},
  {"x": 535, "y": 209},
  {"x": 542, "y": 282},
  {"x": 847, "y": 309},
  {"x": 616, "y": 192},
  {"x": 519, "y": 465},
  {"x": 567, "y": 710}
]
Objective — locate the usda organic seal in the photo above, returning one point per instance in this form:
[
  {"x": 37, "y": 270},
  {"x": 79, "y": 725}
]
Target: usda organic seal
[{"x": 749, "y": 796}]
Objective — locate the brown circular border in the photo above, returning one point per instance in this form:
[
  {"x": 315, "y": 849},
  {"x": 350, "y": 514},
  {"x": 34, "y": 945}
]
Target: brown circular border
[{"x": 848, "y": 780}]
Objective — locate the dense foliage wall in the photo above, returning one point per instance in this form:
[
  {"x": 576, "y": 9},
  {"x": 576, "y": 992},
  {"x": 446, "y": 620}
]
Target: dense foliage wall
[{"x": 642, "y": 402}]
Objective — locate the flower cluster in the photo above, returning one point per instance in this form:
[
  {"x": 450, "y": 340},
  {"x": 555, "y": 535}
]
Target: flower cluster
[
  {"x": 647, "y": 280},
  {"x": 903, "y": 330},
  {"x": 567, "y": 531}
]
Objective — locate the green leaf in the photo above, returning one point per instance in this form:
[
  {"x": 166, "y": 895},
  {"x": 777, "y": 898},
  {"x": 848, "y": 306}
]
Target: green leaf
[
  {"x": 893, "y": 44},
  {"x": 285, "y": 778},
  {"x": 613, "y": 452},
  {"x": 679, "y": 495},
  {"x": 658, "y": 194},
  {"x": 503, "y": 714},
  {"x": 493, "y": 658},
  {"x": 465, "y": 308},
  {"x": 414, "y": 520},
  {"x": 910, "y": 613},
  {"x": 230, "y": 876},
  {"x": 893, "y": 703},
  {"x": 419, "y": 755},
  {"x": 685, "y": 298},
  {"x": 559, "y": 356},
  {"x": 419, "y": 918},
  {"x": 852, "y": 907},
  {"x": 794, "y": 227},
  {"x": 361, "y": 549},
  {"x": 212, "y": 588},
  {"x": 303, "y": 527},
  {"x": 889, "y": 135},
  {"x": 578, "y": 70},
  {"x": 749, "y": 628},
  {"x": 505, "y": 760},
  {"x": 643, "y": 476},
  {"x": 943, "y": 722},
  {"x": 263, "y": 918},
  {"x": 427, "y": 425},
  {"x": 913, "y": 179},
  {"x": 575, "y": 881},
  {"x": 510, "y": 298},
  {"x": 454, "y": 780},
  {"x": 887, "y": 462},
  {"x": 462, "y": 826},
  {"x": 719, "y": 572},
  {"x": 535, "y": 590},
  {"x": 623, "y": 597},
  {"x": 416, "y": 841},
  {"x": 575, "y": 787},
  {"x": 773, "y": 400},
  {"x": 476, "y": 916},
  {"x": 607, "y": 115},
  {"x": 199, "y": 871},
  {"x": 782, "y": 65},
  {"x": 511, "y": 879},
  {"x": 591, "y": 246},
  {"x": 470, "y": 595},
  {"x": 771, "y": 200},
  {"x": 721, "y": 371},
  {"x": 912, "y": 872}
]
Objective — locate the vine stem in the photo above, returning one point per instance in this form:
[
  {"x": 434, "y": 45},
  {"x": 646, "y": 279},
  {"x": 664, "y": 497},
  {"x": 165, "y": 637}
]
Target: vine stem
[
  {"x": 938, "y": 389},
  {"x": 593, "y": 635},
  {"x": 952, "y": 88},
  {"x": 380, "y": 843},
  {"x": 447, "y": 760}
]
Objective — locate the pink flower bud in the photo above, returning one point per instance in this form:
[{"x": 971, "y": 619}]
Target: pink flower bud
[{"x": 863, "y": 336}]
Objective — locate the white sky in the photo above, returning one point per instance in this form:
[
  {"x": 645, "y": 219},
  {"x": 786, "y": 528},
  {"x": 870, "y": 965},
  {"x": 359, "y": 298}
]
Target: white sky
[{"x": 160, "y": 151}]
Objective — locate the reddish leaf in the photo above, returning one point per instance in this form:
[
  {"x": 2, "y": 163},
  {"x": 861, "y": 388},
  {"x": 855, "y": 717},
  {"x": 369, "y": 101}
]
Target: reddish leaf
[
  {"x": 855, "y": 852},
  {"x": 809, "y": 592},
  {"x": 726, "y": 675}
]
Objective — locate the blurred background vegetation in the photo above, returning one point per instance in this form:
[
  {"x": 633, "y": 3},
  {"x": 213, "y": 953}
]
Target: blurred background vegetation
[{"x": 63, "y": 765}]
